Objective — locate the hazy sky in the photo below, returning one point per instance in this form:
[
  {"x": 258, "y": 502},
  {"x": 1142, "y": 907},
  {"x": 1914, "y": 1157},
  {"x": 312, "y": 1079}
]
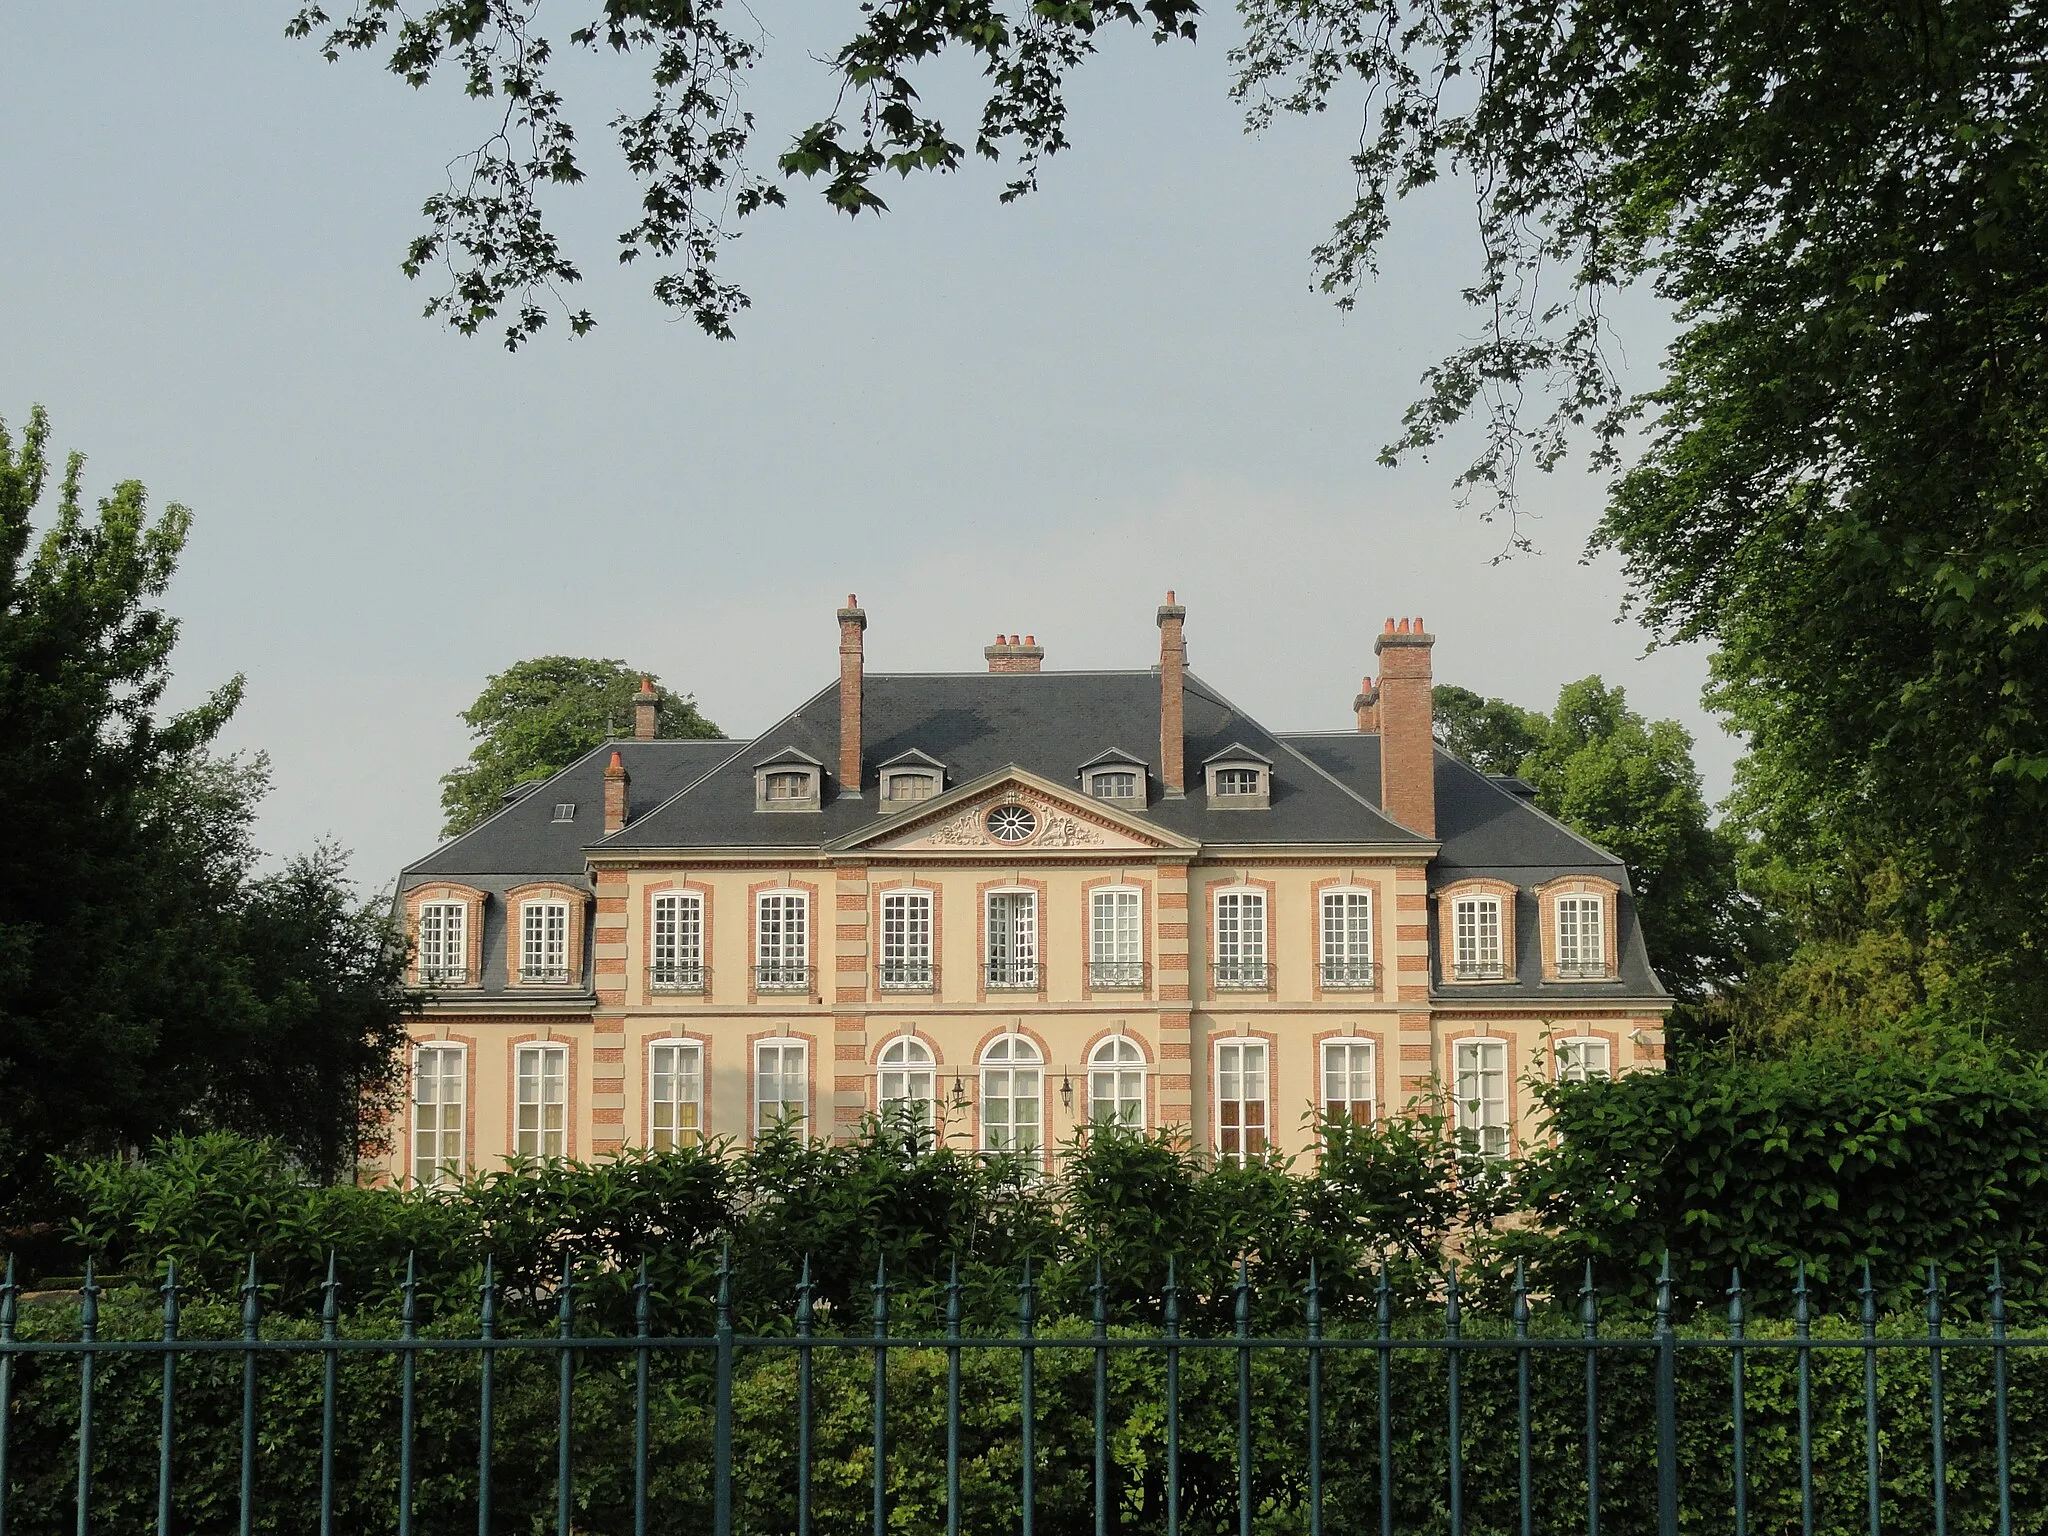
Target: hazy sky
[{"x": 979, "y": 418}]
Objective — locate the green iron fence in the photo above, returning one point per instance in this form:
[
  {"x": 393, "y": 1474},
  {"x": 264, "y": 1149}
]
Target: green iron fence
[{"x": 1450, "y": 1396}]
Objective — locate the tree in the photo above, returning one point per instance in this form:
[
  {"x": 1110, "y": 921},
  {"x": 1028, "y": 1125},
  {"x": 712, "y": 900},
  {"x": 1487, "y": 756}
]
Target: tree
[
  {"x": 1629, "y": 785},
  {"x": 131, "y": 1004},
  {"x": 536, "y": 717},
  {"x": 1846, "y": 479}
]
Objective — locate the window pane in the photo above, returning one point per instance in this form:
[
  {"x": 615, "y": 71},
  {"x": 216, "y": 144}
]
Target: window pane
[
  {"x": 437, "y": 1114},
  {"x": 675, "y": 1096},
  {"x": 1013, "y": 939},
  {"x": 1241, "y": 1097},
  {"x": 780, "y": 1087}
]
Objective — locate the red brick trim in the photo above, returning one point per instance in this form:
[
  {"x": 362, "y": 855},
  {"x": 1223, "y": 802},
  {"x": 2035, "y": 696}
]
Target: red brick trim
[
  {"x": 570, "y": 1087},
  {"x": 674, "y": 1037},
  {"x": 981, "y": 895},
  {"x": 813, "y": 958},
  {"x": 469, "y": 1050},
  {"x": 897, "y": 886},
  {"x": 1148, "y": 1067},
  {"x": 1146, "y": 915},
  {"x": 1546, "y": 918},
  {"x": 680, "y": 887},
  {"x": 810, "y": 1043},
  {"x": 473, "y": 901},
  {"x": 1377, "y": 1040},
  {"x": 1375, "y": 929},
  {"x": 1216, "y": 1043},
  {"x": 1447, "y": 928},
  {"x": 576, "y": 899},
  {"x": 1449, "y": 1067},
  {"x": 1220, "y": 999},
  {"x": 1046, "y": 1091}
]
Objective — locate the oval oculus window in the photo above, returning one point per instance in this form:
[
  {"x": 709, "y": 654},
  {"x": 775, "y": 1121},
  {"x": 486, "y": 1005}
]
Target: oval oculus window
[{"x": 1011, "y": 823}]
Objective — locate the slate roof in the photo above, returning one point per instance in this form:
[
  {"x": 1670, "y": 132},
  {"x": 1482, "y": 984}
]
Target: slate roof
[
  {"x": 1325, "y": 790},
  {"x": 1046, "y": 723}
]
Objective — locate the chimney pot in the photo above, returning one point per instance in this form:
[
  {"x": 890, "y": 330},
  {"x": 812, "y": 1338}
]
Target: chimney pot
[
  {"x": 1031, "y": 639},
  {"x": 646, "y": 712},
  {"x": 1006, "y": 655}
]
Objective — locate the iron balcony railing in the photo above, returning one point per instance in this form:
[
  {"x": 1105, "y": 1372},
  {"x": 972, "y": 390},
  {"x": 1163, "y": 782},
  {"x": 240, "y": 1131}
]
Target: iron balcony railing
[
  {"x": 1012, "y": 975},
  {"x": 782, "y": 976},
  {"x": 444, "y": 975},
  {"x": 1349, "y": 975},
  {"x": 908, "y": 975},
  {"x": 1116, "y": 975},
  {"x": 544, "y": 975},
  {"x": 1582, "y": 970},
  {"x": 677, "y": 976},
  {"x": 1477, "y": 970},
  {"x": 1814, "y": 1437},
  {"x": 1241, "y": 975}
]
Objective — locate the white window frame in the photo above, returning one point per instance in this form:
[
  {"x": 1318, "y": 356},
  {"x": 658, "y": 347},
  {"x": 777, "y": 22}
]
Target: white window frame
[
  {"x": 796, "y": 784},
  {"x": 1346, "y": 952},
  {"x": 907, "y": 1073},
  {"x": 1582, "y": 1057},
  {"x": 544, "y": 942},
  {"x": 1359, "y": 1066},
  {"x": 1016, "y": 968},
  {"x": 787, "y": 1048},
  {"x": 675, "y": 942},
  {"x": 908, "y": 915},
  {"x": 1239, "y": 955},
  {"x": 1235, "y": 1060},
  {"x": 782, "y": 951},
  {"x": 1586, "y": 958},
  {"x": 1013, "y": 1076},
  {"x": 540, "y": 1083},
  {"x": 1116, "y": 937},
  {"x": 1480, "y": 1093},
  {"x": 1122, "y": 774},
  {"x": 675, "y": 1093},
  {"x": 893, "y": 779},
  {"x": 442, "y": 1171},
  {"x": 1116, "y": 1079},
  {"x": 1468, "y": 946},
  {"x": 442, "y": 930}
]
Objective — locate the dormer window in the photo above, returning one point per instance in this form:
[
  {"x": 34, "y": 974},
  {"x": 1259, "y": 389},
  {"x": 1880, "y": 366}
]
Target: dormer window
[
  {"x": 1116, "y": 777},
  {"x": 911, "y": 777},
  {"x": 565, "y": 810},
  {"x": 789, "y": 781},
  {"x": 1239, "y": 779}
]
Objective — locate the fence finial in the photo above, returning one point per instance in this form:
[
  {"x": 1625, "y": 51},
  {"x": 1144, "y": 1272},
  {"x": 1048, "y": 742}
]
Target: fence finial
[
  {"x": 1453, "y": 1315},
  {"x": 643, "y": 1309},
  {"x": 1997, "y": 1291},
  {"x": 487, "y": 1311},
  {"x": 8, "y": 1291},
  {"x": 1663, "y": 1324},
  {"x": 169, "y": 1291},
  {"x": 1520, "y": 1313},
  {"x": 725, "y": 1286},
  {"x": 1589, "y": 1305},
  {"x": 409, "y": 1295},
  {"x": 1869, "y": 1294},
  {"x": 1933, "y": 1294},
  {"x": 1170, "y": 1298},
  {"x": 1313, "y": 1309},
  {"x": 1735, "y": 1312}
]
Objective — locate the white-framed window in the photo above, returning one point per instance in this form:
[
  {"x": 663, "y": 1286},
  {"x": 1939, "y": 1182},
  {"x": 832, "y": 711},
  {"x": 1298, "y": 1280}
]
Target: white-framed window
[
  {"x": 1482, "y": 1102},
  {"x": 782, "y": 941},
  {"x": 1013, "y": 939},
  {"x": 907, "y": 1090},
  {"x": 540, "y": 1104},
  {"x": 1581, "y": 1058},
  {"x": 439, "y": 1083},
  {"x": 1012, "y": 1096},
  {"x": 1347, "y": 939},
  {"x": 1241, "y": 938},
  {"x": 1116, "y": 937},
  {"x": 1475, "y": 938},
  {"x": 788, "y": 786},
  {"x": 1237, "y": 781},
  {"x": 675, "y": 1094},
  {"x": 1241, "y": 1109},
  {"x": 902, "y": 785},
  {"x": 544, "y": 942},
  {"x": 565, "y": 810},
  {"x": 789, "y": 781},
  {"x": 1114, "y": 783},
  {"x": 1116, "y": 1083},
  {"x": 676, "y": 945},
  {"x": 907, "y": 940},
  {"x": 1581, "y": 936},
  {"x": 1348, "y": 1080},
  {"x": 443, "y": 945},
  {"x": 782, "y": 1084}
]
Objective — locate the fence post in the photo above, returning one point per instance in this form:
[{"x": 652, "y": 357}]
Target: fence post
[
  {"x": 1384, "y": 1311},
  {"x": 1934, "y": 1387},
  {"x": 1243, "y": 1307},
  {"x": 1589, "y": 1321},
  {"x": 1313, "y": 1316},
  {"x": 881, "y": 1495},
  {"x": 252, "y": 1314},
  {"x": 1871, "y": 1490},
  {"x": 803, "y": 1401},
  {"x": 721, "y": 1404},
  {"x": 1736, "y": 1322},
  {"x": 1171, "y": 1331},
  {"x": 408, "y": 1370},
  {"x": 952, "y": 1397},
  {"x": 643, "y": 1327},
  {"x": 1523, "y": 1427},
  {"x": 1027, "y": 1429},
  {"x": 565, "y": 1424},
  {"x": 168, "y": 1408},
  {"x": 8, "y": 1291},
  {"x": 1101, "y": 1404},
  {"x": 1802, "y": 1330},
  {"x": 1999, "y": 1405},
  {"x": 1453, "y": 1327},
  {"x": 330, "y": 1366},
  {"x": 487, "y": 1329},
  {"x": 1667, "y": 1407},
  {"x": 88, "y": 1330}
]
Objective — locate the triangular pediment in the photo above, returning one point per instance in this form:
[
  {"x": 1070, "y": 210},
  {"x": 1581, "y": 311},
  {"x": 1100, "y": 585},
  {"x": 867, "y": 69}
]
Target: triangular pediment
[{"x": 1018, "y": 814}]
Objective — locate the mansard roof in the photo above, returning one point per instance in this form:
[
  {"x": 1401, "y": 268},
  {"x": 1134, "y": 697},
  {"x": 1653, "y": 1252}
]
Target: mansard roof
[{"x": 1041, "y": 723}]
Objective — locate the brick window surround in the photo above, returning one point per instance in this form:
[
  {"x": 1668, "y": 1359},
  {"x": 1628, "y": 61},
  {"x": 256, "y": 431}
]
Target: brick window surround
[
  {"x": 472, "y": 902},
  {"x": 1447, "y": 928},
  {"x": 515, "y": 929},
  {"x": 1607, "y": 892}
]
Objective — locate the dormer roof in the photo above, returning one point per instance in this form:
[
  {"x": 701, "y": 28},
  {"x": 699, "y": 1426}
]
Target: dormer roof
[
  {"x": 1116, "y": 755},
  {"x": 790, "y": 757},
  {"x": 913, "y": 758},
  {"x": 1237, "y": 752}
]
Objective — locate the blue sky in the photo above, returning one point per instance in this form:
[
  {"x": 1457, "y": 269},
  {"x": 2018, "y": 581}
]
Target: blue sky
[{"x": 1033, "y": 417}]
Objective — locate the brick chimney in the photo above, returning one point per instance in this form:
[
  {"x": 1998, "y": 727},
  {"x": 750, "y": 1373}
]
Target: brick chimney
[
  {"x": 615, "y": 785},
  {"x": 646, "y": 712},
  {"x": 1407, "y": 745},
  {"x": 1006, "y": 655},
  {"x": 1173, "y": 666},
  {"x": 853, "y": 623},
  {"x": 1367, "y": 704}
]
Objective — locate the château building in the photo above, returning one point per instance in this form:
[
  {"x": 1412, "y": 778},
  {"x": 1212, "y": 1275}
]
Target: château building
[{"x": 1012, "y": 902}]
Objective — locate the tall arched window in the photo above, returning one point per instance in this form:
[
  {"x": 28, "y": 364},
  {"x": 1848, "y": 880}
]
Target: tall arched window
[
  {"x": 1116, "y": 1083},
  {"x": 908, "y": 1089},
  {"x": 1011, "y": 1093}
]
